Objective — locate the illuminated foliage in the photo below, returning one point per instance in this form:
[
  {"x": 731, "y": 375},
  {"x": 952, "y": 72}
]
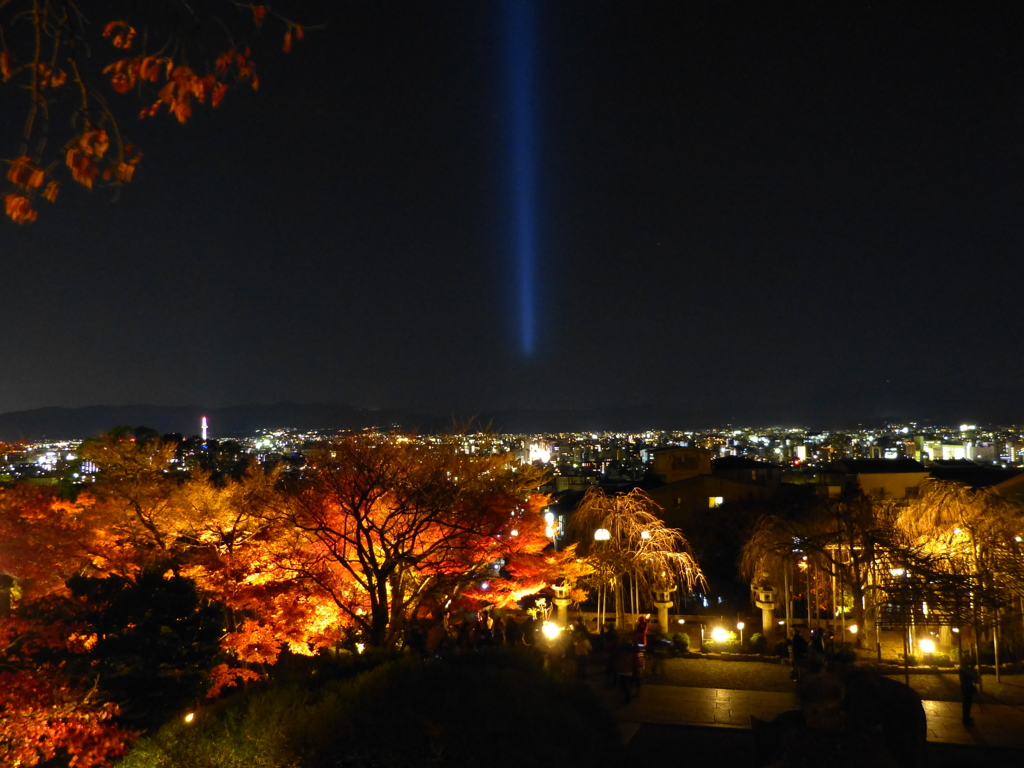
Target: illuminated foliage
[
  {"x": 634, "y": 542},
  {"x": 44, "y": 716},
  {"x": 846, "y": 539},
  {"x": 382, "y": 528},
  {"x": 59, "y": 67}
]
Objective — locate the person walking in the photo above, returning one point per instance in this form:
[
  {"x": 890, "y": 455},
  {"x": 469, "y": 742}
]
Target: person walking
[
  {"x": 610, "y": 648},
  {"x": 640, "y": 634},
  {"x": 799, "y": 654},
  {"x": 968, "y": 688},
  {"x": 513, "y": 632},
  {"x": 628, "y": 666},
  {"x": 582, "y": 646}
]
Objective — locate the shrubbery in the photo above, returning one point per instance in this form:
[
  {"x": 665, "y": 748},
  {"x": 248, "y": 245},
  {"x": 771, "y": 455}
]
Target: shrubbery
[
  {"x": 681, "y": 642},
  {"x": 496, "y": 708},
  {"x": 758, "y": 643}
]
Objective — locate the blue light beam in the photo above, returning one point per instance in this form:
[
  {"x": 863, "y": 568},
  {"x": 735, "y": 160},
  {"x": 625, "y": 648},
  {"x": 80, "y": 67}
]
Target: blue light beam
[{"x": 521, "y": 93}]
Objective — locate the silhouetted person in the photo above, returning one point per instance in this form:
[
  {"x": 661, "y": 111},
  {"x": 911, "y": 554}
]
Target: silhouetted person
[
  {"x": 610, "y": 648},
  {"x": 968, "y": 687},
  {"x": 529, "y": 629},
  {"x": 513, "y": 632},
  {"x": 799, "y": 653}
]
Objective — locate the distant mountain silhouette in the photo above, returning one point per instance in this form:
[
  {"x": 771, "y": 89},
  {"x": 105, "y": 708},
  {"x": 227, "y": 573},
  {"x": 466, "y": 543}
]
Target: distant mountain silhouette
[
  {"x": 234, "y": 421},
  {"x": 77, "y": 423}
]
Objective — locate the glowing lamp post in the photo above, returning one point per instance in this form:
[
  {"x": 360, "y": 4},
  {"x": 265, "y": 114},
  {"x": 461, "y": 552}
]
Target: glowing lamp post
[{"x": 740, "y": 626}]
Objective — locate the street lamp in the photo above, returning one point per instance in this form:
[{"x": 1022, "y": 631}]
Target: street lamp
[
  {"x": 602, "y": 534},
  {"x": 550, "y": 630},
  {"x": 740, "y": 625}
]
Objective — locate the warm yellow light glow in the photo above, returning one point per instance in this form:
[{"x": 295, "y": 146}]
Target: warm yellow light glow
[
  {"x": 515, "y": 532},
  {"x": 896, "y": 571},
  {"x": 549, "y": 518},
  {"x": 190, "y": 717},
  {"x": 602, "y": 534},
  {"x": 853, "y": 629},
  {"x": 645, "y": 534},
  {"x": 360, "y": 647},
  {"x": 719, "y": 635},
  {"x": 781, "y": 622},
  {"x": 927, "y": 646},
  {"x": 682, "y": 621},
  {"x": 550, "y": 630},
  {"x": 956, "y": 629},
  {"x": 740, "y": 625}
]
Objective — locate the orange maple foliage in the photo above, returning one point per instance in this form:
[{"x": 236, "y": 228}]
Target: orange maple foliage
[
  {"x": 46, "y": 716},
  {"x": 381, "y": 529},
  {"x": 40, "y": 64},
  {"x": 44, "y": 539},
  {"x": 19, "y": 209}
]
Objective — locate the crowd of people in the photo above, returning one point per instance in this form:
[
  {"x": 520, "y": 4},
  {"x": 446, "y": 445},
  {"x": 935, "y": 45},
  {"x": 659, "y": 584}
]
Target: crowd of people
[{"x": 571, "y": 652}]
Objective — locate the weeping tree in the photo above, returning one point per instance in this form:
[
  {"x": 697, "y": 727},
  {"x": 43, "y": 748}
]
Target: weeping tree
[
  {"x": 836, "y": 544},
  {"x": 971, "y": 541},
  {"x": 629, "y": 547}
]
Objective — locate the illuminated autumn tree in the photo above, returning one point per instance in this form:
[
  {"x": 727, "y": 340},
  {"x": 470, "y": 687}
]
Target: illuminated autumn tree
[
  {"x": 381, "y": 528},
  {"x": 70, "y": 66},
  {"x": 628, "y": 545},
  {"x": 967, "y": 552},
  {"x": 845, "y": 541},
  {"x": 47, "y": 710}
]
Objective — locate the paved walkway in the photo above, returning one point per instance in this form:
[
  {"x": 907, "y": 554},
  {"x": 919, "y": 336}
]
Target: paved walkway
[{"x": 995, "y": 725}]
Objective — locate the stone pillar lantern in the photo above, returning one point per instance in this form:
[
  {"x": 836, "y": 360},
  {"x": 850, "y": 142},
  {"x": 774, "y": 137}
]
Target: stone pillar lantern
[
  {"x": 765, "y": 600},
  {"x": 663, "y": 601},
  {"x": 562, "y": 602}
]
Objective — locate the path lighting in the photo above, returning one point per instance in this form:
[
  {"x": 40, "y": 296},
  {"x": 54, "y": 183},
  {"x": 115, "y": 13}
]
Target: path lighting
[
  {"x": 682, "y": 621},
  {"x": 602, "y": 534},
  {"x": 190, "y": 717},
  {"x": 927, "y": 645},
  {"x": 550, "y": 630},
  {"x": 719, "y": 635},
  {"x": 740, "y": 625},
  {"x": 853, "y": 629}
]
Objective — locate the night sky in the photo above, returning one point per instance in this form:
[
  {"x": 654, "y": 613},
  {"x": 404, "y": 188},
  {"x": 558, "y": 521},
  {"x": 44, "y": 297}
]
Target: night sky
[{"x": 759, "y": 211}]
